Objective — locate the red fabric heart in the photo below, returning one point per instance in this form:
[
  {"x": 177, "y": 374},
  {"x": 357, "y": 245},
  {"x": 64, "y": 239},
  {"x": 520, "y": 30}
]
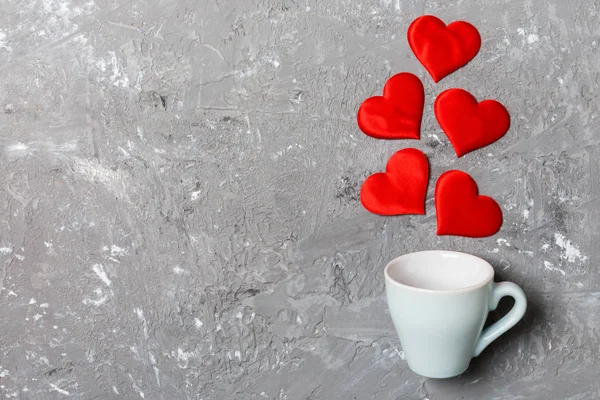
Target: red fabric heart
[
  {"x": 442, "y": 49},
  {"x": 461, "y": 211},
  {"x": 401, "y": 188},
  {"x": 470, "y": 125},
  {"x": 397, "y": 114}
]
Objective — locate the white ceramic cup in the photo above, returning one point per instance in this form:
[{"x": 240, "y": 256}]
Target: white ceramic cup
[{"x": 439, "y": 301}]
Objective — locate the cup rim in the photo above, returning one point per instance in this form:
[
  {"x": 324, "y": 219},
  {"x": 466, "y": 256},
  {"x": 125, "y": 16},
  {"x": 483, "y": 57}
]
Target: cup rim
[{"x": 440, "y": 291}]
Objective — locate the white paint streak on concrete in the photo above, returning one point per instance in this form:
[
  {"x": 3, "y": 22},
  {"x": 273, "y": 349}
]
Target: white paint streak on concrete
[
  {"x": 501, "y": 242},
  {"x": 550, "y": 267},
  {"x": 117, "y": 251},
  {"x": 59, "y": 390},
  {"x": 570, "y": 252},
  {"x": 137, "y": 388},
  {"x": 195, "y": 194},
  {"x": 140, "y": 314},
  {"x": 118, "y": 76},
  {"x": 436, "y": 137},
  {"x": 96, "y": 302},
  {"x": 400, "y": 353},
  {"x": 100, "y": 298},
  {"x": 3, "y": 42},
  {"x": 179, "y": 271},
  {"x": 155, "y": 368},
  {"x": 99, "y": 271},
  {"x": 183, "y": 357},
  {"x": 95, "y": 172}
]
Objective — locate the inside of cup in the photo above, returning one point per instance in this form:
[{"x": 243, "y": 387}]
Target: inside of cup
[{"x": 439, "y": 270}]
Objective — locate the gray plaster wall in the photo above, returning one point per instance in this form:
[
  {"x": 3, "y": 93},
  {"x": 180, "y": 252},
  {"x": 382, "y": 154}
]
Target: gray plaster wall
[{"x": 179, "y": 213}]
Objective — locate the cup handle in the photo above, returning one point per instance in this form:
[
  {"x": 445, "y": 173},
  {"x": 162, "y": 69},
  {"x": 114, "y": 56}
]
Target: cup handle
[{"x": 492, "y": 332}]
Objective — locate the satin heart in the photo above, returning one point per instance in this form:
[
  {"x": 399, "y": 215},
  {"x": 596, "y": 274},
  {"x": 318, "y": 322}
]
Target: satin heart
[
  {"x": 470, "y": 125},
  {"x": 461, "y": 211},
  {"x": 442, "y": 49},
  {"x": 401, "y": 188},
  {"x": 397, "y": 114}
]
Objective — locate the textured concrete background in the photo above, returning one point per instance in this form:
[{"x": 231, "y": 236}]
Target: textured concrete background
[{"x": 180, "y": 214}]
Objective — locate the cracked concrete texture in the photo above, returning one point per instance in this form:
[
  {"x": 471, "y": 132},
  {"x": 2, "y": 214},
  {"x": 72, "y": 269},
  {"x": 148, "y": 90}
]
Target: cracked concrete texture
[{"x": 180, "y": 214}]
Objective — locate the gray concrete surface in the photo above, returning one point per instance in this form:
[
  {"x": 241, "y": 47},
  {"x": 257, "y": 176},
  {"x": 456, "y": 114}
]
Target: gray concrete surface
[{"x": 179, "y": 203}]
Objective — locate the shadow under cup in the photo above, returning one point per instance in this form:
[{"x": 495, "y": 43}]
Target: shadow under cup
[{"x": 439, "y": 301}]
